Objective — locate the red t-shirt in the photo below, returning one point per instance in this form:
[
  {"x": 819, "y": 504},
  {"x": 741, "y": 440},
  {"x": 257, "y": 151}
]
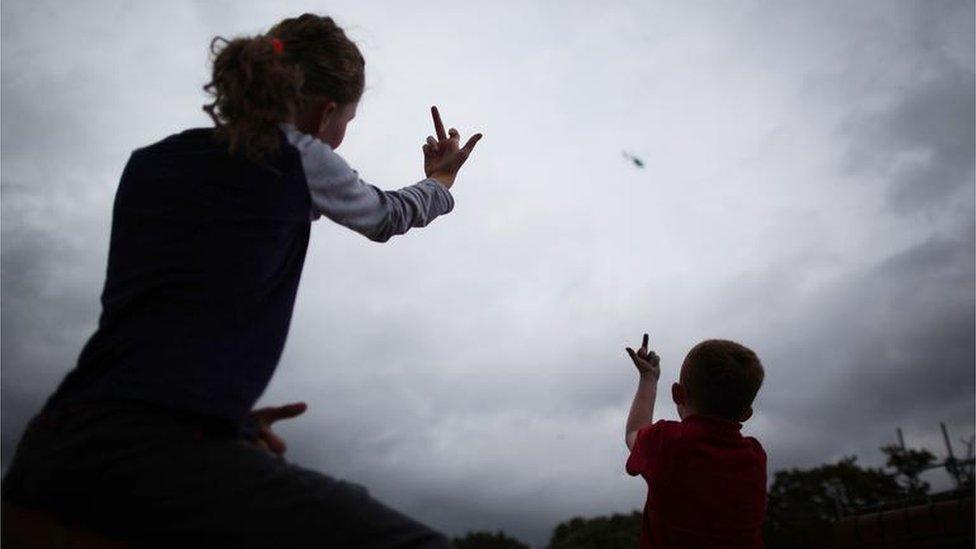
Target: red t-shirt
[{"x": 706, "y": 484}]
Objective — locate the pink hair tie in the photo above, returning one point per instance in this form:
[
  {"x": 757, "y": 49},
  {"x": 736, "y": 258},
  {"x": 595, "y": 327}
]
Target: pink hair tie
[{"x": 279, "y": 46}]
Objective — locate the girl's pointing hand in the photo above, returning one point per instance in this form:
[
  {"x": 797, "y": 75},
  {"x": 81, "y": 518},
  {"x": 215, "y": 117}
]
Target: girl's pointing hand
[{"x": 444, "y": 156}]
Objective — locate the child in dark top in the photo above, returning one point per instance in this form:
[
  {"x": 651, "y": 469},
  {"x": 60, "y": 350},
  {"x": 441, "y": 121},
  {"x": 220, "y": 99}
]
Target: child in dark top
[
  {"x": 706, "y": 482},
  {"x": 152, "y": 438}
]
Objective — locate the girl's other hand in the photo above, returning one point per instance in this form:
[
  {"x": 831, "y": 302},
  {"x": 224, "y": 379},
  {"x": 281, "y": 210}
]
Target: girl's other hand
[
  {"x": 264, "y": 417},
  {"x": 444, "y": 156}
]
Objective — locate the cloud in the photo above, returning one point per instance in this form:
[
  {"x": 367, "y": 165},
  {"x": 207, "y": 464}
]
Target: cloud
[
  {"x": 918, "y": 140},
  {"x": 808, "y": 192}
]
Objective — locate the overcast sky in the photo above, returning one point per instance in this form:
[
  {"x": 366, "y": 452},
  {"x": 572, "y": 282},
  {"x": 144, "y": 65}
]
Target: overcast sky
[{"x": 808, "y": 191}]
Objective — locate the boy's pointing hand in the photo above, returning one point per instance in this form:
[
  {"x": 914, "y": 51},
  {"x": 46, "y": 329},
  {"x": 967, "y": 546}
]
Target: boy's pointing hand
[{"x": 646, "y": 361}]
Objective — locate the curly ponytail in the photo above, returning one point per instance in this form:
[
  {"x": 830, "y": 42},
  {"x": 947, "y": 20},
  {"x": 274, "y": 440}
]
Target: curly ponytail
[{"x": 254, "y": 87}]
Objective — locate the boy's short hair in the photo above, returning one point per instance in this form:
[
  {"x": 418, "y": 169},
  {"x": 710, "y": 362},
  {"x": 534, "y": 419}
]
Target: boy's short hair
[{"x": 721, "y": 377}]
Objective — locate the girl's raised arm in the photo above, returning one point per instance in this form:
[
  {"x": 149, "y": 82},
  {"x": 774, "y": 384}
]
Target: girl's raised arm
[{"x": 338, "y": 193}]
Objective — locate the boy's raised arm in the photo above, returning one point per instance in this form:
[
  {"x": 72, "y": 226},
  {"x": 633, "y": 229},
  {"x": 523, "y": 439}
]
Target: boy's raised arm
[{"x": 642, "y": 409}]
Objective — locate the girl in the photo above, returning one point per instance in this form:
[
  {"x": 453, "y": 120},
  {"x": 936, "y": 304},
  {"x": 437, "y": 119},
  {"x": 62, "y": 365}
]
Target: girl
[{"x": 151, "y": 437}]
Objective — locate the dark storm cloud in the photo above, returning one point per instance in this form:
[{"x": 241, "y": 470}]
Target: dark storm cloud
[
  {"x": 44, "y": 319},
  {"x": 895, "y": 345},
  {"x": 54, "y": 198},
  {"x": 890, "y": 343},
  {"x": 912, "y": 360},
  {"x": 917, "y": 350},
  {"x": 923, "y": 144}
]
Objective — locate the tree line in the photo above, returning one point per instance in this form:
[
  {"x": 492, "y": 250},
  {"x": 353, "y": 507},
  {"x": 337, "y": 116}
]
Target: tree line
[{"x": 802, "y": 505}]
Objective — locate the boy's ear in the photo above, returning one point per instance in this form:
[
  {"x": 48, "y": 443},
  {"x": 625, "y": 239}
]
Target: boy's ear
[
  {"x": 679, "y": 394},
  {"x": 745, "y": 415}
]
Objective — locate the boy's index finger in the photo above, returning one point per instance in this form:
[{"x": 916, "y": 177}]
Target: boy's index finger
[
  {"x": 438, "y": 125},
  {"x": 644, "y": 344}
]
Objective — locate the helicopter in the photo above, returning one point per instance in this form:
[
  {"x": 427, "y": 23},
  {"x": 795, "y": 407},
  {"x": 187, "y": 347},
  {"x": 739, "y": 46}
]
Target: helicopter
[{"x": 637, "y": 161}]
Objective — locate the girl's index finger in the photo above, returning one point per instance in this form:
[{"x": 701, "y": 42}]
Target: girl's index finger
[
  {"x": 438, "y": 125},
  {"x": 287, "y": 411}
]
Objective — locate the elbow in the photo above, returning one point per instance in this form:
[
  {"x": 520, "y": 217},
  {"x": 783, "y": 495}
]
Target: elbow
[
  {"x": 380, "y": 237},
  {"x": 630, "y": 438},
  {"x": 381, "y": 233},
  {"x": 389, "y": 226}
]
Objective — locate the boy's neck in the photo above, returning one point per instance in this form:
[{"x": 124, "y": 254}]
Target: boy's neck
[{"x": 697, "y": 415}]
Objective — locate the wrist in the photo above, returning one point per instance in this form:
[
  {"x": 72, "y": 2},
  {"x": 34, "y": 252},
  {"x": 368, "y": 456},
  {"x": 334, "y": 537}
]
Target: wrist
[
  {"x": 648, "y": 377},
  {"x": 443, "y": 178}
]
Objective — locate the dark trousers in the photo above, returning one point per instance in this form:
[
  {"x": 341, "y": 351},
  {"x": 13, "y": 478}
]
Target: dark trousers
[{"x": 149, "y": 476}]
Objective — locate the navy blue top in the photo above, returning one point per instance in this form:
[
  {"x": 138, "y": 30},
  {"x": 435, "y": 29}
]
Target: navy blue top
[{"x": 204, "y": 262}]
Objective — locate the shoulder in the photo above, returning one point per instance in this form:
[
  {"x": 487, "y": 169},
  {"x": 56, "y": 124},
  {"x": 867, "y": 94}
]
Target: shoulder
[
  {"x": 650, "y": 445},
  {"x": 191, "y": 139},
  {"x": 174, "y": 154},
  {"x": 660, "y": 429},
  {"x": 667, "y": 425},
  {"x": 316, "y": 155},
  {"x": 756, "y": 447}
]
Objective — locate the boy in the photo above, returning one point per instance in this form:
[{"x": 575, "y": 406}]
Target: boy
[{"x": 706, "y": 482}]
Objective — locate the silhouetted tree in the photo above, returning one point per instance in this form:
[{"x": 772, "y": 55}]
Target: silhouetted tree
[
  {"x": 613, "y": 532},
  {"x": 803, "y": 503},
  {"x": 487, "y": 540},
  {"x": 908, "y": 463}
]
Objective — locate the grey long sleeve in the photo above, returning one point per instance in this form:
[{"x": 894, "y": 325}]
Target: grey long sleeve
[{"x": 338, "y": 193}]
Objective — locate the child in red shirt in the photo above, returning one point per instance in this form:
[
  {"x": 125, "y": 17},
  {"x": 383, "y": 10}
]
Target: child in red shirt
[{"x": 706, "y": 482}]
